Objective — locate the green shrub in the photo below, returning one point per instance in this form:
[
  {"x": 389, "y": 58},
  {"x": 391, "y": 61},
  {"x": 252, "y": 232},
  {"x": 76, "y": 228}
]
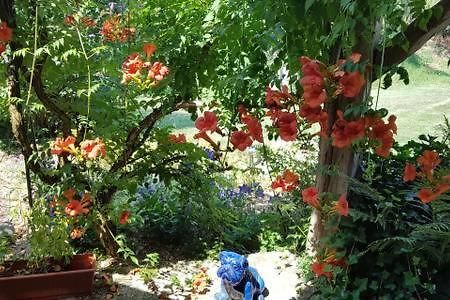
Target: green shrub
[{"x": 396, "y": 245}]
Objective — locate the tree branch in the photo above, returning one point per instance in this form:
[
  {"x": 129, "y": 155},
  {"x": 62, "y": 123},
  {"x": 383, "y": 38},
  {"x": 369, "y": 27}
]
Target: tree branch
[
  {"x": 133, "y": 142},
  {"x": 45, "y": 98},
  {"x": 415, "y": 36}
]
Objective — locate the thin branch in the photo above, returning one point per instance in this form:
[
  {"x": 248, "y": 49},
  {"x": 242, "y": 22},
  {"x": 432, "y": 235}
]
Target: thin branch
[
  {"x": 48, "y": 101},
  {"x": 18, "y": 121},
  {"x": 133, "y": 141},
  {"x": 45, "y": 98},
  {"x": 415, "y": 36}
]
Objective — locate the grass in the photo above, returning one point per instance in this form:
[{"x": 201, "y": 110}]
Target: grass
[
  {"x": 419, "y": 106},
  {"x": 177, "y": 120}
]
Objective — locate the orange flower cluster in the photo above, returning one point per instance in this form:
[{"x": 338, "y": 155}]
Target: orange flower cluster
[
  {"x": 428, "y": 162},
  {"x": 349, "y": 83},
  {"x": 201, "y": 282},
  {"x": 345, "y": 132},
  {"x": 324, "y": 267},
  {"x": 287, "y": 182},
  {"x": 90, "y": 149},
  {"x": 341, "y": 206},
  {"x": 314, "y": 94},
  {"x": 426, "y": 195},
  {"x": 5, "y": 36},
  {"x": 73, "y": 206},
  {"x": 77, "y": 232},
  {"x": 180, "y": 139},
  {"x": 253, "y": 125},
  {"x": 207, "y": 122},
  {"x": 313, "y": 82},
  {"x": 315, "y": 77},
  {"x": 319, "y": 268},
  {"x": 287, "y": 125},
  {"x": 274, "y": 97},
  {"x": 64, "y": 146},
  {"x": 124, "y": 217},
  {"x": 315, "y": 115},
  {"x": 114, "y": 30},
  {"x": 382, "y": 133},
  {"x": 76, "y": 207},
  {"x": 71, "y": 20},
  {"x": 311, "y": 197},
  {"x": 158, "y": 71},
  {"x": 134, "y": 66},
  {"x": 242, "y": 139},
  {"x": 285, "y": 121}
]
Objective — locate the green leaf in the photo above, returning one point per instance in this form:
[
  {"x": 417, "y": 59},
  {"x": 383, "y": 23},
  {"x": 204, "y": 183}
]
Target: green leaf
[
  {"x": 410, "y": 279},
  {"x": 134, "y": 260},
  {"x": 308, "y": 4},
  {"x": 403, "y": 73},
  {"x": 21, "y": 52},
  {"x": 438, "y": 10}
]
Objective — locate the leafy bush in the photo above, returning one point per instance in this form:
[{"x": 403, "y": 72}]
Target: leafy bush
[
  {"x": 4, "y": 247},
  {"x": 395, "y": 243},
  {"x": 198, "y": 211},
  {"x": 49, "y": 233}
]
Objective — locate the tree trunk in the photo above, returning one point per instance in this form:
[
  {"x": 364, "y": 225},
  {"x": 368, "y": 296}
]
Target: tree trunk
[
  {"x": 335, "y": 164},
  {"x": 342, "y": 160},
  {"x": 105, "y": 229},
  {"x": 106, "y": 238}
]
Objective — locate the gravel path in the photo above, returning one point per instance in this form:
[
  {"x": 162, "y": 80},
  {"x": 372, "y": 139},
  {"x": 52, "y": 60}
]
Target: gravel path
[
  {"x": 278, "y": 268},
  {"x": 13, "y": 192}
]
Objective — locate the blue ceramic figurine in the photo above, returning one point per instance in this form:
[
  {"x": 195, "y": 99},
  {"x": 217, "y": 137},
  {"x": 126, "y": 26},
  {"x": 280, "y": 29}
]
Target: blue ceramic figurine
[{"x": 239, "y": 280}]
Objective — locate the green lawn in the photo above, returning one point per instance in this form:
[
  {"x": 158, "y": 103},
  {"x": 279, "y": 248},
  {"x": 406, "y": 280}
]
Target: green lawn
[
  {"x": 419, "y": 109},
  {"x": 419, "y": 106}
]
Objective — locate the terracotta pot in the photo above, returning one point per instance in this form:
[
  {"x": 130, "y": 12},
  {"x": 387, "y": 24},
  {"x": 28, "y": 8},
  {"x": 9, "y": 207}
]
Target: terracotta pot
[{"x": 76, "y": 281}]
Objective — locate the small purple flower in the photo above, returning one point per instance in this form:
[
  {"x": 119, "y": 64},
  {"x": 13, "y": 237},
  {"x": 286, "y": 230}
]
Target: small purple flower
[
  {"x": 245, "y": 189},
  {"x": 51, "y": 213},
  {"x": 259, "y": 192},
  {"x": 210, "y": 154}
]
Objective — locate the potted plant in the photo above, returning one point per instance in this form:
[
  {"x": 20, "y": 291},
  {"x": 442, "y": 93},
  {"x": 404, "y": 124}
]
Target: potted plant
[
  {"x": 60, "y": 279},
  {"x": 50, "y": 269}
]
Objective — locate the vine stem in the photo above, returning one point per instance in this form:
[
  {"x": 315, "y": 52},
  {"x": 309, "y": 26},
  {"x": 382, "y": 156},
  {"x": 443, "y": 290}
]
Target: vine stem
[
  {"x": 266, "y": 160},
  {"x": 33, "y": 66},
  {"x": 381, "y": 65},
  {"x": 379, "y": 79},
  {"x": 89, "y": 76},
  {"x": 33, "y": 63}
]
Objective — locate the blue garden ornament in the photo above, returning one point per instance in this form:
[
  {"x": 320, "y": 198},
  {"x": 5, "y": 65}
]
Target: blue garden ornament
[{"x": 239, "y": 280}]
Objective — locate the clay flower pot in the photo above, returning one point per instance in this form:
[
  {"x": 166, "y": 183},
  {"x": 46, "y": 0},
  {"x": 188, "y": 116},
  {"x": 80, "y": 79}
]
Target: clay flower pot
[{"x": 77, "y": 280}]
